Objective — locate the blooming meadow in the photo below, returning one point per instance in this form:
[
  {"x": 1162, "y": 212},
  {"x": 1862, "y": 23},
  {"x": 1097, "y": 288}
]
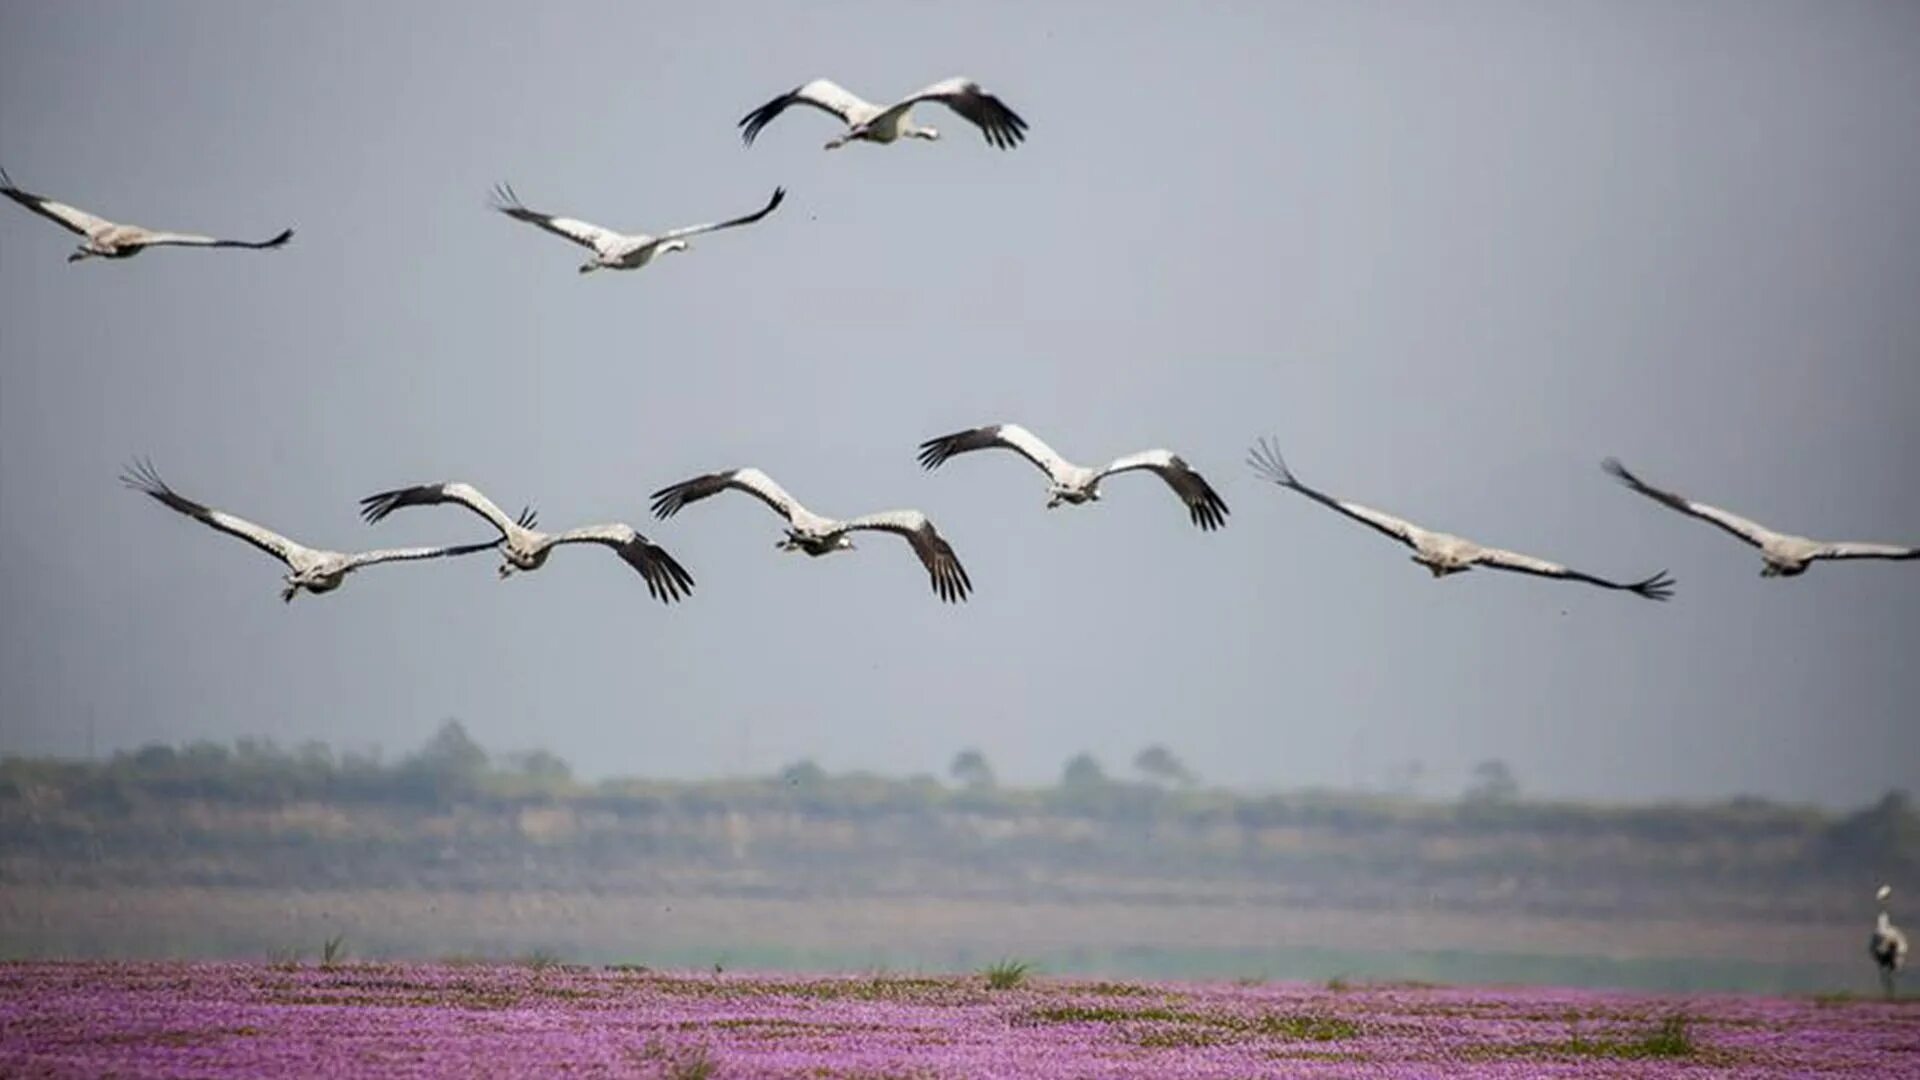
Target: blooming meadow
[{"x": 393, "y": 1020}]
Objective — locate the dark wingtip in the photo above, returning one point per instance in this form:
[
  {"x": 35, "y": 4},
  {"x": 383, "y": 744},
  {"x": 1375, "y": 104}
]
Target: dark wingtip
[
  {"x": 751, "y": 124},
  {"x": 505, "y": 199},
  {"x": 1210, "y": 512},
  {"x": 951, "y": 583},
  {"x": 1265, "y": 459},
  {"x": 669, "y": 581},
  {"x": 1658, "y": 587},
  {"x": 140, "y": 475},
  {"x": 375, "y": 508},
  {"x": 934, "y": 452},
  {"x": 667, "y": 501}
]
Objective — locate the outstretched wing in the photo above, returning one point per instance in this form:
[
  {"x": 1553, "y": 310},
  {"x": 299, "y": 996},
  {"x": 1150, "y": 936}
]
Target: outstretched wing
[
  {"x": 67, "y": 217},
  {"x": 949, "y": 578},
  {"x": 1752, "y": 532},
  {"x": 148, "y": 238},
  {"x": 666, "y": 579},
  {"x": 141, "y": 476},
  {"x": 668, "y": 500},
  {"x": 382, "y": 555},
  {"x": 1856, "y": 549},
  {"x": 935, "y": 452},
  {"x": 1657, "y": 587},
  {"x": 584, "y": 233},
  {"x": 376, "y": 507},
  {"x": 1204, "y": 504},
  {"x": 823, "y": 94},
  {"x": 1270, "y": 466},
  {"x": 779, "y": 194},
  {"x": 1001, "y": 126}
]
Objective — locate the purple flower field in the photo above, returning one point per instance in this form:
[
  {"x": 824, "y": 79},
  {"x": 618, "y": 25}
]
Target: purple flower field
[{"x": 393, "y": 1020}]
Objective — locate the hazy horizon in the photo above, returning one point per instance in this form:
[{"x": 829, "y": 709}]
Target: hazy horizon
[{"x": 1451, "y": 258}]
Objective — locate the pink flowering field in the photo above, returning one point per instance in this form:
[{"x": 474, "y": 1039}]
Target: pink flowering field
[{"x": 462, "y": 1020}]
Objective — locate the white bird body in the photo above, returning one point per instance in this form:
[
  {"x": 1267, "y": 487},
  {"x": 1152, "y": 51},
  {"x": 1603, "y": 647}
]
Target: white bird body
[
  {"x": 524, "y": 547},
  {"x": 1784, "y": 554},
  {"x": 1888, "y": 945},
  {"x": 1077, "y": 484},
  {"x": 1444, "y": 553},
  {"x": 619, "y": 251},
  {"x": 884, "y": 124},
  {"x": 105, "y": 239},
  {"x": 817, "y": 535},
  {"x": 313, "y": 570}
]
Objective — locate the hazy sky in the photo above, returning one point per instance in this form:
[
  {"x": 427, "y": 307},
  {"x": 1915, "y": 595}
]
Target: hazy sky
[{"x": 1451, "y": 255}]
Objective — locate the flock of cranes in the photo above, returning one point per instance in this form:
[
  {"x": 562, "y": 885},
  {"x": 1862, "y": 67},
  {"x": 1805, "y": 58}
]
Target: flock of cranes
[{"x": 523, "y": 547}]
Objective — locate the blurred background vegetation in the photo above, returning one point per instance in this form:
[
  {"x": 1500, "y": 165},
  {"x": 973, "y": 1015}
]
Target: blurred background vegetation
[{"x": 96, "y": 856}]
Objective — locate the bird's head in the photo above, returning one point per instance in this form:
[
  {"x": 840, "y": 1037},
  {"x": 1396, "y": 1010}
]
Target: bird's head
[
  {"x": 506, "y": 570},
  {"x": 292, "y": 590},
  {"x": 843, "y": 542},
  {"x": 1884, "y": 892},
  {"x": 927, "y": 133},
  {"x": 78, "y": 254},
  {"x": 675, "y": 245}
]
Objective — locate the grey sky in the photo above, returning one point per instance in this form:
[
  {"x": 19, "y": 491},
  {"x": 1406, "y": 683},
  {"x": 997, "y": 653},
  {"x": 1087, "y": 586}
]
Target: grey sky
[{"x": 1451, "y": 256}]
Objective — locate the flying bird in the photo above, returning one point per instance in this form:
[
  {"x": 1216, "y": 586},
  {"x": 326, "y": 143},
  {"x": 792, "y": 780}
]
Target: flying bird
[
  {"x": 312, "y": 569},
  {"x": 1077, "y": 484},
  {"x": 526, "y": 548},
  {"x": 816, "y": 535},
  {"x": 107, "y": 240},
  {"x": 1888, "y": 945},
  {"x": 1785, "y": 555},
  {"x": 1001, "y": 126},
  {"x": 1439, "y": 552},
  {"x": 617, "y": 251}
]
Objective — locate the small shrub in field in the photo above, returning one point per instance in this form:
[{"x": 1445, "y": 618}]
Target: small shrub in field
[
  {"x": 694, "y": 1066},
  {"x": 684, "y": 1063},
  {"x": 541, "y": 959},
  {"x": 333, "y": 950},
  {"x": 1670, "y": 1038},
  {"x": 1006, "y": 974}
]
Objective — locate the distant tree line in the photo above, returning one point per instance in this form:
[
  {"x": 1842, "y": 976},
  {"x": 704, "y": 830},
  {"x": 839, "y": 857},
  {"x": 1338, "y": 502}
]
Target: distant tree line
[{"x": 452, "y": 768}]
